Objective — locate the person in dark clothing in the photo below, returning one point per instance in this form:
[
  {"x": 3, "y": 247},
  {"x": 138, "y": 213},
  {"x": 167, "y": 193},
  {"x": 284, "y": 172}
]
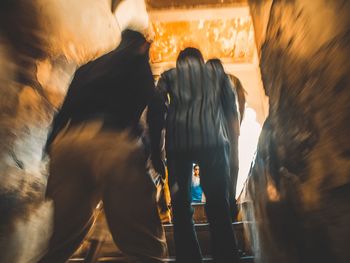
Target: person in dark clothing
[
  {"x": 193, "y": 103},
  {"x": 240, "y": 94},
  {"x": 233, "y": 127},
  {"x": 96, "y": 153}
]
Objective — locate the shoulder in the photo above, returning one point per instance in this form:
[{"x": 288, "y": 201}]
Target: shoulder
[
  {"x": 233, "y": 77},
  {"x": 168, "y": 74}
]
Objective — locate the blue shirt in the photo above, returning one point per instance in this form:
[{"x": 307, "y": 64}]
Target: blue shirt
[{"x": 196, "y": 190}]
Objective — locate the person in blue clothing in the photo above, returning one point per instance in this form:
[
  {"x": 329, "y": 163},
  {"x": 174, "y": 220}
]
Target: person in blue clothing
[{"x": 196, "y": 188}]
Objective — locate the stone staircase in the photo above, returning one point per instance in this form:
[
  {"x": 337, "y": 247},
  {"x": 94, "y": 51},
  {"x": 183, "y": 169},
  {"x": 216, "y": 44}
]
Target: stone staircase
[{"x": 104, "y": 250}]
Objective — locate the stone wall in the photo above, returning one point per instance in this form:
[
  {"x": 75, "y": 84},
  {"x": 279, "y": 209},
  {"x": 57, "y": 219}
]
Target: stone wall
[
  {"x": 299, "y": 185},
  {"x": 41, "y": 44}
]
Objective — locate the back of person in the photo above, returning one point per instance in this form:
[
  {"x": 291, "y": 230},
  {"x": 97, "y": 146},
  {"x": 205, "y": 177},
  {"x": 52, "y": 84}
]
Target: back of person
[
  {"x": 230, "y": 108},
  {"x": 193, "y": 106},
  {"x": 199, "y": 102},
  {"x": 114, "y": 88}
]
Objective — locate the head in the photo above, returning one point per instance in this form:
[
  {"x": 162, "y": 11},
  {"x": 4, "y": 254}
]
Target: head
[
  {"x": 189, "y": 53},
  {"x": 196, "y": 170},
  {"x": 215, "y": 65},
  {"x": 190, "y": 69},
  {"x": 134, "y": 41}
]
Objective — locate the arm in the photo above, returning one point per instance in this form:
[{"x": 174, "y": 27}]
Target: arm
[
  {"x": 64, "y": 113},
  {"x": 230, "y": 107},
  {"x": 240, "y": 94},
  {"x": 60, "y": 120},
  {"x": 233, "y": 127},
  {"x": 156, "y": 118}
]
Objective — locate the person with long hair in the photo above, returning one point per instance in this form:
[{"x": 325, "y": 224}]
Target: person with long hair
[
  {"x": 190, "y": 105},
  {"x": 233, "y": 120}
]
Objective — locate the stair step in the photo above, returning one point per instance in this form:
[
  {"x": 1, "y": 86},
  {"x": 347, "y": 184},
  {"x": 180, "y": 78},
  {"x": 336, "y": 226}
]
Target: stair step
[
  {"x": 247, "y": 259},
  {"x": 107, "y": 248},
  {"x": 199, "y": 215},
  {"x": 203, "y": 236}
]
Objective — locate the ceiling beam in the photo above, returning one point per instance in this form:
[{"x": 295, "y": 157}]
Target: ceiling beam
[
  {"x": 198, "y": 13},
  {"x": 166, "y": 4}
]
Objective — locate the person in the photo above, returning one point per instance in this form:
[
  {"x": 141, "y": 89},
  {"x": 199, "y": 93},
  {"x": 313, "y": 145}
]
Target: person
[
  {"x": 234, "y": 119},
  {"x": 96, "y": 152},
  {"x": 239, "y": 92},
  {"x": 190, "y": 104},
  {"x": 196, "y": 189}
]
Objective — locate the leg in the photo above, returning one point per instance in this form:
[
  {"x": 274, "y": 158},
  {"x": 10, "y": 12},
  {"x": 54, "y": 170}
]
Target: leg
[
  {"x": 73, "y": 195},
  {"x": 234, "y": 167},
  {"x": 131, "y": 208},
  {"x": 215, "y": 183},
  {"x": 232, "y": 196},
  {"x": 186, "y": 243}
]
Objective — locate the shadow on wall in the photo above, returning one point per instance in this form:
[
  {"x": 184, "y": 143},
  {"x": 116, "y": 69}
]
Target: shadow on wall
[{"x": 299, "y": 186}]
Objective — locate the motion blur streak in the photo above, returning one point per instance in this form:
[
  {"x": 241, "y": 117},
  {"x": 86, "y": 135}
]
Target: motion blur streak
[
  {"x": 299, "y": 186},
  {"x": 41, "y": 44}
]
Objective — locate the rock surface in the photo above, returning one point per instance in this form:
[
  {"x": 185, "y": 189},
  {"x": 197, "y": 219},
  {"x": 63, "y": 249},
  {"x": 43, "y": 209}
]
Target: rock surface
[
  {"x": 41, "y": 44},
  {"x": 299, "y": 185}
]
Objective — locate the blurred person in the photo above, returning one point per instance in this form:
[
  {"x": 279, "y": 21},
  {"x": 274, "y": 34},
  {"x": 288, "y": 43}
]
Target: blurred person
[
  {"x": 164, "y": 199},
  {"x": 161, "y": 182},
  {"x": 191, "y": 105},
  {"x": 97, "y": 152},
  {"x": 196, "y": 189}
]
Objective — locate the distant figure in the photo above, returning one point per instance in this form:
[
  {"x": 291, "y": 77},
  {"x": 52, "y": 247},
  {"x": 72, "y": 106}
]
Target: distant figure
[
  {"x": 193, "y": 105},
  {"x": 196, "y": 189}
]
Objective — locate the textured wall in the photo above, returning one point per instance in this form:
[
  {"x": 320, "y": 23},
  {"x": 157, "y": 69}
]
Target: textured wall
[
  {"x": 41, "y": 43},
  {"x": 300, "y": 182}
]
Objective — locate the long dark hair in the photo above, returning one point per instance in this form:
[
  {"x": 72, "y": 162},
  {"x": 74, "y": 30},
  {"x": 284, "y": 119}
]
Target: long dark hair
[
  {"x": 216, "y": 66},
  {"x": 190, "y": 68},
  {"x": 189, "y": 53}
]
